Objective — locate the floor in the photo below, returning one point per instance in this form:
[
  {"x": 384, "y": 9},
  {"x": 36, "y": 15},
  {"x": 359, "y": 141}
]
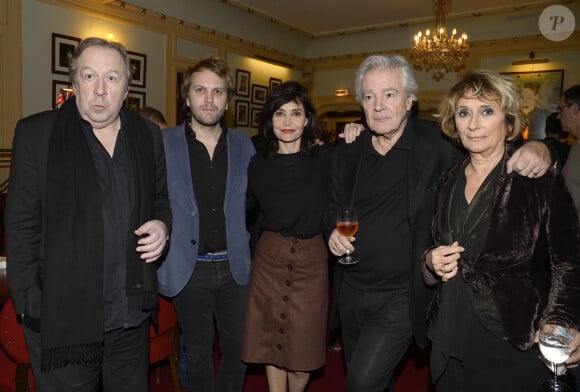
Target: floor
[{"x": 413, "y": 376}]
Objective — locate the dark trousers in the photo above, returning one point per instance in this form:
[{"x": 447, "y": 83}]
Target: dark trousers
[
  {"x": 572, "y": 378},
  {"x": 492, "y": 364},
  {"x": 125, "y": 365},
  {"x": 376, "y": 333},
  {"x": 212, "y": 292}
]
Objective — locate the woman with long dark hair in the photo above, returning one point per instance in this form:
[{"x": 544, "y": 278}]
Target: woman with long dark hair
[{"x": 285, "y": 322}]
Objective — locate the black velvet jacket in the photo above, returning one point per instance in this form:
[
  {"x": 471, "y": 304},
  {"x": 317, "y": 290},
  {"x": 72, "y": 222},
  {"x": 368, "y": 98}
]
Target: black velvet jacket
[{"x": 531, "y": 255}]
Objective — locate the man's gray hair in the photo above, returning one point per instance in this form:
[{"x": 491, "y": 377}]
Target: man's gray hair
[{"x": 387, "y": 61}]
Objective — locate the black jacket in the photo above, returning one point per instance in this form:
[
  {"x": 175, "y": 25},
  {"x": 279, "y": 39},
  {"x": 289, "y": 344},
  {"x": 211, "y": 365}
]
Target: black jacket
[{"x": 431, "y": 153}]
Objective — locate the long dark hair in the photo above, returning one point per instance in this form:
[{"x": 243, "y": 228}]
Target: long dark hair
[{"x": 281, "y": 95}]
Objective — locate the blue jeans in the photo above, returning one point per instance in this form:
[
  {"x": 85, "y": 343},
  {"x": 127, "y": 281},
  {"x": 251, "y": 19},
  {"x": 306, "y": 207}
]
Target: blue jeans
[
  {"x": 376, "y": 333},
  {"x": 212, "y": 293}
]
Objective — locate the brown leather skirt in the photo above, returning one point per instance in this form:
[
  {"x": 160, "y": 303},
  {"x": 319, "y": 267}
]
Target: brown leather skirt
[{"x": 285, "y": 321}]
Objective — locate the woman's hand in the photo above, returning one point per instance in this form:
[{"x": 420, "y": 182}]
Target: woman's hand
[
  {"x": 339, "y": 244},
  {"x": 442, "y": 261},
  {"x": 351, "y": 132},
  {"x": 574, "y": 359}
]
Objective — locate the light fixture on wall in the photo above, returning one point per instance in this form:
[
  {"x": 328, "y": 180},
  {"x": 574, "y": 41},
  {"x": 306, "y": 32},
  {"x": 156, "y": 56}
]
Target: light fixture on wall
[
  {"x": 532, "y": 60},
  {"x": 341, "y": 92},
  {"x": 436, "y": 51}
]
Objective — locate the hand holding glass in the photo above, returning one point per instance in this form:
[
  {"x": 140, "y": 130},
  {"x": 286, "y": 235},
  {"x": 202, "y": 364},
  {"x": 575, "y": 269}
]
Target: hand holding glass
[
  {"x": 555, "y": 348},
  {"x": 347, "y": 226}
]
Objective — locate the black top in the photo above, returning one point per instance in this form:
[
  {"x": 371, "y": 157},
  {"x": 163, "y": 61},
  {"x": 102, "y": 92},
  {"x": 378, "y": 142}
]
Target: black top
[
  {"x": 208, "y": 177},
  {"x": 291, "y": 191},
  {"x": 114, "y": 176},
  {"x": 383, "y": 241},
  {"x": 458, "y": 302}
]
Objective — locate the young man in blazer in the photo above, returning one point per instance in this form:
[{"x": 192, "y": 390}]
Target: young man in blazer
[{"x": 206, "y": 269}]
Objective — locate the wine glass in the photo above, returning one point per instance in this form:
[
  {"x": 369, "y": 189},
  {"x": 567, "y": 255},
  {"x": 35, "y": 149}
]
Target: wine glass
[
  {"x": 347, "y": 226},
  {"x": 555, "y": 348}
]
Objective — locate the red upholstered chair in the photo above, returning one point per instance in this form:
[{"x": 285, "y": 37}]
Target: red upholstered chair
[
  {"x": 14, "y": 346},
  {"x": 164, "y": 341}
]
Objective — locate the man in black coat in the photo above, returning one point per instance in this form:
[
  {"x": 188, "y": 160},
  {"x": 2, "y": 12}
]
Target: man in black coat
[{"x": 87, "y": 216}]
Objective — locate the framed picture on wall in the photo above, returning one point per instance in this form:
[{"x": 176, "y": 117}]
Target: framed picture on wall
[
  {"x": 63, "y": 48},
  {"x": 259, "y": 94},
  {"x": 255, "y": 120},
  {"x": 242, "y": 83},
  {"x": 242, "y": 113},
  {"x": 138, "y": 62},
  {"x": 544, "y": 86},
  {"x": 135, "y": 100},
  {"x": 61, "y": 91},
  {"x": 274, "y": 82}
]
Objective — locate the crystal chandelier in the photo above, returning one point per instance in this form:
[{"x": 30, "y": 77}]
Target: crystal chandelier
[{"x": 438, "y": 52}]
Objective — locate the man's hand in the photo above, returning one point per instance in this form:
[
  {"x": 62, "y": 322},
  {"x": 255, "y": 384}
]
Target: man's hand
[
  {"x": 339, "y": 244},
  {"x": 153, "y": 240},
  {"x": 351, "y": 132},
  {"x": 531, "y": 160}
]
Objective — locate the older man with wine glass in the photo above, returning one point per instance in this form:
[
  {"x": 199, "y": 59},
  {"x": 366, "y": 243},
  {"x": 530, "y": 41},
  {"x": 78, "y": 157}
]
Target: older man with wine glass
[{"x": 389, "y": 174}]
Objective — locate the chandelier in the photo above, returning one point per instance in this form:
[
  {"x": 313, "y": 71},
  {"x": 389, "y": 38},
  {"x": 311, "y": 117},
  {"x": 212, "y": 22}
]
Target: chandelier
[{"x": 438, "y": 52}]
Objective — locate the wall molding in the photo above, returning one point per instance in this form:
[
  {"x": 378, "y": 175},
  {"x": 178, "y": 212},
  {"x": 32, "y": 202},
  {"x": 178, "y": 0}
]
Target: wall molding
[
  {"x": 175, "y": 29},
  {"x": 125, "y": 12}
]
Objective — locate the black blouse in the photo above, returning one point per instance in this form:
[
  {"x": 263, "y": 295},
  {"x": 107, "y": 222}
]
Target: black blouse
[{"x": 291, "y": 191}]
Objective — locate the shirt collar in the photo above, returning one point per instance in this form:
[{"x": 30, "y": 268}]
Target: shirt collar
[
  {"x": 189, "y": 130},
  {"x": 404, "y": 142}
]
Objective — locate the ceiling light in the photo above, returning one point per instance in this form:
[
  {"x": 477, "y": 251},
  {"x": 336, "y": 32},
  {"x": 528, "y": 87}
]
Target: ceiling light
[{"x": 436, "y": 51}]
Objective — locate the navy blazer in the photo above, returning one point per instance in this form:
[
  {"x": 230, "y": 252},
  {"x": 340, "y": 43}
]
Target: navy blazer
[{"x": 176, "y": 269}]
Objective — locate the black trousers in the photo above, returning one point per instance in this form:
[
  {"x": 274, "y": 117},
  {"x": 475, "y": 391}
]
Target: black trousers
[
  {"x": 492, "y": 364},
  {"x": 376, "y": 333},
  {"x": 212, "y": 292},
  {"x": 125, "y": 365}
]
